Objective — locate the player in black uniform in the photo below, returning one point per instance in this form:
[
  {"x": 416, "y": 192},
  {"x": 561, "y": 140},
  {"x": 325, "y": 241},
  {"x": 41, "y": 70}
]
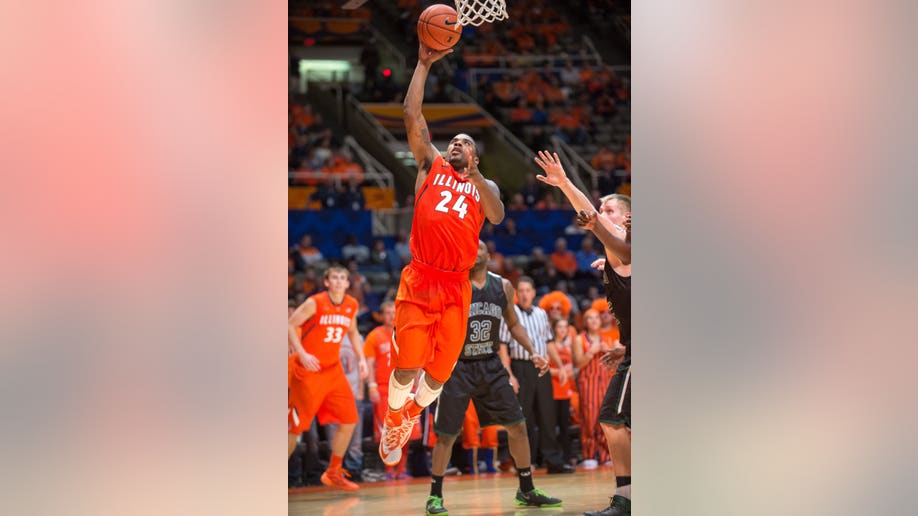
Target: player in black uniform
[
  {"x": 480, "y": 376},
  {"x": 613, "y": 229}
]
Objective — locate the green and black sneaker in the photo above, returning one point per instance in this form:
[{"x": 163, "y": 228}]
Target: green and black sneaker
[
  {"x": 535, "y": 498},
  {"x": 435, "y": 506},
  {"x": 618, "y": 506}
]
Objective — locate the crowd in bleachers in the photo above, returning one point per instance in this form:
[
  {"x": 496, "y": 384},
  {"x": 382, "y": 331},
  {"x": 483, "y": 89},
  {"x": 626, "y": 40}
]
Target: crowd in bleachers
[{"x": 315, "y": 157}]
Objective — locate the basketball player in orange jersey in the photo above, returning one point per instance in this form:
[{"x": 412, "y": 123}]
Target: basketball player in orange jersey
[
  {"x": 451, "y": 202},
  {"x": 318, "y": 386},
  {"x": 377, "y": 349}
]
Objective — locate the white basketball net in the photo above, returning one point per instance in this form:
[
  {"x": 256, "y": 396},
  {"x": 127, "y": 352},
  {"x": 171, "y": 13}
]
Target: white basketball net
[{"x": 476, "y": 12}]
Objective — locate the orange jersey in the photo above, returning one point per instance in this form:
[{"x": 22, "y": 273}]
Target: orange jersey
[
  {"x": 611, "y": 335},
  {"x": 378, "y": 344},
  {"x": 324, "y": 331},
  {"x": 447, "y": 220}
]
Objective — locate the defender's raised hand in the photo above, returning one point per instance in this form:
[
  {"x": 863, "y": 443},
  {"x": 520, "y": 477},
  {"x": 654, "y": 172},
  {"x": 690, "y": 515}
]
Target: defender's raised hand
[{"x": 551, "y": 164}]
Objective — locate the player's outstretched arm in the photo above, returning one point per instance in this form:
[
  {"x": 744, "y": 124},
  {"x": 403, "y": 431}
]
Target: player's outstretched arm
[
  {"x": 619, "y": 246},
  {"x": 556, "y": 176},
  {"x": 518, "y": 332},
  {"x": 415, "y": 124},
  {"x": 299, "y": 316}
]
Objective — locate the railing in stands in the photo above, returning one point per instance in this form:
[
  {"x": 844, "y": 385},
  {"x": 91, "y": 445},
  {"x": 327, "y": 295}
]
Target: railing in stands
[
  {"x": 575, "y": 165},
  {"x": 373, "y": 170},
  {"x": 587, "y": 42},
  {"x": 390, "y": 222},
  {"x": 381, "y": 131}
]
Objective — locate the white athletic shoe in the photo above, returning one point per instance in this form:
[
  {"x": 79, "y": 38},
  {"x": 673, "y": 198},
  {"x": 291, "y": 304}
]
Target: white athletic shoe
[
  {"x": 396, "y": 432},
  {"x": 590, "y": 464}
]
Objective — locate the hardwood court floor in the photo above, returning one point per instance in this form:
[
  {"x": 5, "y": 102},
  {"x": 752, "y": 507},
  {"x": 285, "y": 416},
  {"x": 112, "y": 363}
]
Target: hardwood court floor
[{"x": 465, "y": 495}]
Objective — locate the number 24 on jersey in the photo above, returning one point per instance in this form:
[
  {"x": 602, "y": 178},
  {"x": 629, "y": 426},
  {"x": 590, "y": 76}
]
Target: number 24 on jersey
[{"x": 459, "y": 206}]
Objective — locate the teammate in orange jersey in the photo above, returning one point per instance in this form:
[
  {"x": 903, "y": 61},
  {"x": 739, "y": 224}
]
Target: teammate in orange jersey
[
  {"x": 317, "y": 383},
  {"x": 378, "y": 349},
  {"x": 451, "y": 202}
]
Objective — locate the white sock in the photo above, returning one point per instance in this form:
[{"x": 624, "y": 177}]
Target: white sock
[
  {"x": 398, "y": 393},
  {"x": 425, "y": 395},
  {"x": 624, "y": 491}
]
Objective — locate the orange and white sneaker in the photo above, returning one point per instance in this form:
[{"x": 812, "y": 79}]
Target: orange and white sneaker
[
  {"x": 397, "y": 428},
  {"x": 336, "y": 478}
]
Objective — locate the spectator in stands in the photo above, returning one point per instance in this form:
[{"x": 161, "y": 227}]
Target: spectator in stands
[
  {"x": 536, "y": 265},
  {"x": 563, "y": 259},
  {"x": 310, "y": 283},
  {"x": 329, "y": 194},
  {"x": 608, "y": 325},
  {"x": 539, "y": 113},
  {"x": 573, "y": 228},
  {"x": 378, "y": 254},
  {"x": 604, "y": 159},
  {"x": 562, "y": 287},
  {"x": 551, "y": 278},
  {"x": 353, "y": 250},
  {"x": 508, "y": 228},
  {"x": 517, "y": 204},
  {"x": 556, "y": 304},
  {"x": 531, "y": 191},
  {"x": 570, "y": 75},
  {"x": 496, "y": 263},
  {"x": 547, "y": 202},
  {"x": 520, "y": 116},
  {"x": 402, "y": 249},
  {"x": 305, "y": 253},
  {"x": 352, "y": 198},
  {"x": 585, "y": 258},
  {"x": 359, "y": 288},
  {"x": 562, "y": 340},
  {"x": 593, "y": 378}
]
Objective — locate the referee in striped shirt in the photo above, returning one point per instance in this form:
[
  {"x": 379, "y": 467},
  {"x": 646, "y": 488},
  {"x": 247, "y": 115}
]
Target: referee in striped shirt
[{"x": 535, "y": 393}]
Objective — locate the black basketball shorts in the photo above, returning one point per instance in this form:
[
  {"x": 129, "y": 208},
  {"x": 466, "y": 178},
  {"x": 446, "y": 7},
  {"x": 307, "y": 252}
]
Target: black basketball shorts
[
  {"x": 487, "y": 384},
  {"x": 616, "y": 404}
]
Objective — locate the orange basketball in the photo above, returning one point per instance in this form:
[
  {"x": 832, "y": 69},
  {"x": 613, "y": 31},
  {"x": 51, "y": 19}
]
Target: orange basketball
[{"x": 438, "y": 27}]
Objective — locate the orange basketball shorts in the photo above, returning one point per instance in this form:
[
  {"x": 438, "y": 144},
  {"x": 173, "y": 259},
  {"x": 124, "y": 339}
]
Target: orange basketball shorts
[
  {"x": 326, "y": 394},
  {"x": 431, "y": 314}
]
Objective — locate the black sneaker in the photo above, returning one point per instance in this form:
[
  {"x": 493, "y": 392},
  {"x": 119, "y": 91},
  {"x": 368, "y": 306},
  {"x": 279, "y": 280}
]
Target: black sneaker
[
  {"x": 618, "y": 506},
  {"x": 435, "y": 506},
  {"x": 535, "y": 498}
]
